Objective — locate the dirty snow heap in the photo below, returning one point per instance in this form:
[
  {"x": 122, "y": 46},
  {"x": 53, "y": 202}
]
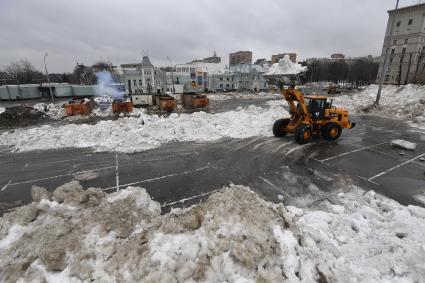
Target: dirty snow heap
[
  {"x": 399, "y": 102},
  {"x": 76, "y": 235}
]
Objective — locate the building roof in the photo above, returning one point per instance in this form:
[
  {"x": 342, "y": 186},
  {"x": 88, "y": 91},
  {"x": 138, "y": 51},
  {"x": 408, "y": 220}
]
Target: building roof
[
  {"x": 146, "y": 62},
  {"x": 408, "y": 8}
]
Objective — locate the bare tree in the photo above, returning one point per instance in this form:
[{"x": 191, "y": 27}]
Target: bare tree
[
  {"x": 15, "y": 70},
  {"x": 24, "y": 72}
]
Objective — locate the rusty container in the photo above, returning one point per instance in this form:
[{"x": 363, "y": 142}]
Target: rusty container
[
  {"x": 72, "y": 109},
  {"x": 122, "y": 107},
  {"x": 195, "y": 100},
  {"x": 167, "y": 103}
]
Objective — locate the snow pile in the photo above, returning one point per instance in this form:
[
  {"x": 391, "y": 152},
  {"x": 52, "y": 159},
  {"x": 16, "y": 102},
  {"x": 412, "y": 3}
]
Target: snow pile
[
  {"x": 232, "y": 237},
  {"x": 52, "y": 110},
  {"x": 144, "y": 132},
  {"x": 400, "y": 102},
  {"x": 239, "y": 95},
  {"x": 2, "y": 109},
  {"x": 404, "y": 144},
  {"x": 285, "y": 67}
]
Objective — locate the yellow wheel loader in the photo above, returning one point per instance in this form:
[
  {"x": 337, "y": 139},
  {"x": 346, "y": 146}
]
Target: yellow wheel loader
[{"x": 310, "y": 115}]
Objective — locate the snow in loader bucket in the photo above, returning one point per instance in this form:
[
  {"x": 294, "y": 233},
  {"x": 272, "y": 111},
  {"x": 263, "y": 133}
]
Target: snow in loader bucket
[{"x": 285, "y": 72}]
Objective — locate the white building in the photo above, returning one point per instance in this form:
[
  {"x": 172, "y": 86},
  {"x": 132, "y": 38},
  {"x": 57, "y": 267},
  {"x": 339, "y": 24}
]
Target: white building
[
  {"x": 240, "y": 77},
  {"x": 405, "y": 45},
  {"x": 142, "y": 77}
]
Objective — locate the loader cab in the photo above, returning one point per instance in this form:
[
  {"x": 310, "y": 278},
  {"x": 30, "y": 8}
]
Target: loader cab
[{"x": 316, "y": 106}]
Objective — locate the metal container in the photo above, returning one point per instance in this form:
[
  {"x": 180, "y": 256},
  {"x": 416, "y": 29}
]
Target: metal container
[{"x": 195, "y": 100}]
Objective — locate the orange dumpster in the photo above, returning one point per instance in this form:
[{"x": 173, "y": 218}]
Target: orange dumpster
[
  {"x": 167, "y": 103},
  {"x": 122, "y": 107},
  {"x": 72, "y": 109}
]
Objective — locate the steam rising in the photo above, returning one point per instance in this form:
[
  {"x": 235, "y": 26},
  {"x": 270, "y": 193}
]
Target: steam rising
[{"x": 105, "y": 86}]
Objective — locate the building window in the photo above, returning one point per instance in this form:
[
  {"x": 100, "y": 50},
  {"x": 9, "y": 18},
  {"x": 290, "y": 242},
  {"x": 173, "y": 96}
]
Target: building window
[
  {"x": 410, "y": 22},
  {"x": 140, "y": 83},
  {"x": 394, "y": 42},
  {"x": 391, "y": 59},
  {"x": 134, "y": 83},
  {"x": 404, "y": 50},
  {"x": 406, "y": 41},
  {"x": 392, "y": 51},
  {"x": 398, "y": 23}
]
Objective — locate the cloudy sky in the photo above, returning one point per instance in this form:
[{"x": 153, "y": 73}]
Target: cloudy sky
[{"x": 86, "y": 31}]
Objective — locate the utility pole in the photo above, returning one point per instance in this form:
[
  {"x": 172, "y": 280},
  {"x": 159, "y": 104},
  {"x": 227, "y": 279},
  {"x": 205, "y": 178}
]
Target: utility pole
[
  {"x": 48, "y": 79},
  {"x": 385, "y": 66},
  {"x": 172, "y": 76}
]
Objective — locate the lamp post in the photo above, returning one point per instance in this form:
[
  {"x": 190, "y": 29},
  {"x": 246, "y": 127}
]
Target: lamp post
[
  {"x": 47, "y": 75},
  {"x": 172, "y": 76},
  {"x": 385, "y": 66}
]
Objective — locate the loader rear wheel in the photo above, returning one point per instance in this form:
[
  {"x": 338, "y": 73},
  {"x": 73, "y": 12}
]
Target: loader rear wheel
[
  {"x": 303, "y": 134},
  {"x": 331, "y": 131},
  {"x": 279, "y": 127}
]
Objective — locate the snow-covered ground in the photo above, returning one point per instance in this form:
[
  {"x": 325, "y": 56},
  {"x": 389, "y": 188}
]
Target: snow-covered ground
[
  {"x": 144, "y": 132},
  {"x": 399, "y": 102},
  {"x": 240, "y": 95},
  {"x": 2, "y": 109},
  {"x": 74, "y": 235}
]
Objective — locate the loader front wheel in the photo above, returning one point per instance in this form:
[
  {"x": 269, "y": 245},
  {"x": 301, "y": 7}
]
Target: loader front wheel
[
  {"x": 279, "y": 127},
  {"x": 303, "y": 134},
  {"x": 331, "y": 131}
]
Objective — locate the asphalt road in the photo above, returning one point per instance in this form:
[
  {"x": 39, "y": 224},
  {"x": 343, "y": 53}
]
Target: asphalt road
[{"x": 184, "y": 173}]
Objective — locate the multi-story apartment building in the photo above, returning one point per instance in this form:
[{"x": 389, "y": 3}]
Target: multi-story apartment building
[
  {"x": 405, "y": 45},
  {"x": 240, "y": 57},
  {"x": 277, "y": 57}
]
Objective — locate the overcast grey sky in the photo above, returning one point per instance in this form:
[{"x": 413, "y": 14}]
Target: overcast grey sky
[{"x": 86, "y": 31}]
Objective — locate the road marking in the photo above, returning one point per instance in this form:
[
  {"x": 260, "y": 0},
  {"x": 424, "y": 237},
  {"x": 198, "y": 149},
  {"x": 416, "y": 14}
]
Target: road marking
[
  {"x": 117, "y": 176},
  {"x": 277, "y": 188},
  {"x": 270, "y": 183},
  {"x": 365, "y": 179},
  {"x": 58, "y": 176},
  {"x": 389, "y": 155},
  {"x": 395, "y": 167},
  {"x": 159, "y": 178},
  {"x": 5, "y": 186},
  {"x": 352, "y": 151},
  {"x": 187, "y": 199}
]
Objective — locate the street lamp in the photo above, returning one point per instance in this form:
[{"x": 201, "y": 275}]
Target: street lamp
[
  {"x": 48, "y": 79},
  {"x": 172, "y": 76},
  {"x": 385, "y": 65}
]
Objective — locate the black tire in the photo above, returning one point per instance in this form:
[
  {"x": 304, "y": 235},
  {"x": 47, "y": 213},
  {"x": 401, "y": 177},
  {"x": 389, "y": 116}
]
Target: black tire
[
  {"x": 279, "y": 127},
  {"x": 303, "y": 134},
  {"x": 331, "y": 131}
]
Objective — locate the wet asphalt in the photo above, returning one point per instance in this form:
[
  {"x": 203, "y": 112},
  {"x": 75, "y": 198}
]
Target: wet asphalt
[{"x": 180, "y": 174}]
